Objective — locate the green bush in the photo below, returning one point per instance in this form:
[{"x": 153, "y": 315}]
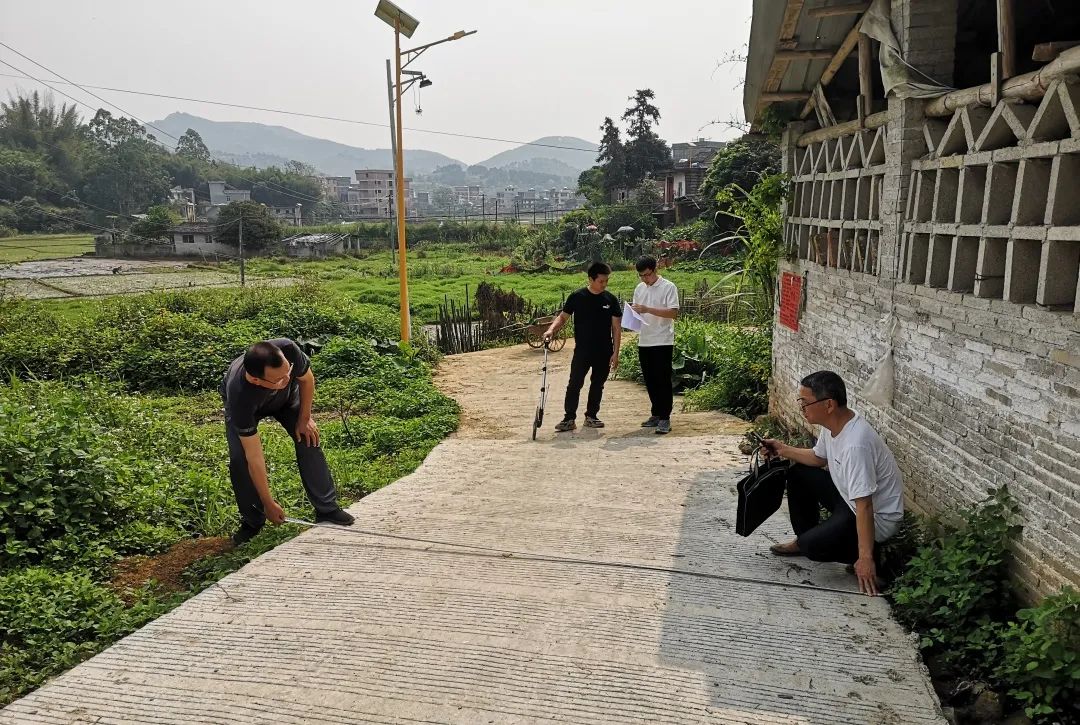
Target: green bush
[
  {"x": 737, "y": 362},
  {"x": 60, "y": 473},
  {"x": 956, "y": 590},
  {"x": 721, "y": 367},
  {"x": 1042, "y": 658},
  {"x": 50, "y": 621}
]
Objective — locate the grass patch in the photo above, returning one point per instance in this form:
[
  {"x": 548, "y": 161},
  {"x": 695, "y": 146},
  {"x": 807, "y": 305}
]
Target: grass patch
[{"x": 31, "y": 247}]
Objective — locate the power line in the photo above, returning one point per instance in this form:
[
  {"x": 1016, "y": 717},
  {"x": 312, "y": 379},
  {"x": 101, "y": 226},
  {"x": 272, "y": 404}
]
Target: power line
[
  {"x": 322, "y": 117},
  {"x": 267, "y": 184}
]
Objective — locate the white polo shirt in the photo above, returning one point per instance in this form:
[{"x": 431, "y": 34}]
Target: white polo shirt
[
  {"x": 862, "y": 465},
  {"x": 663, "y": 295}
]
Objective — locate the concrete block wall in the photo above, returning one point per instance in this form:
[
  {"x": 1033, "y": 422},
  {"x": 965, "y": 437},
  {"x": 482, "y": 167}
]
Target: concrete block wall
[
  {"x": 987, "y": 393},
  {"x": 979, "y": 259}
]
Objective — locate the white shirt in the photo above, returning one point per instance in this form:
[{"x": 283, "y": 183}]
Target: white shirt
[
  {"x": 663, "y": 295},
  {"x": 862, "y": 465}
]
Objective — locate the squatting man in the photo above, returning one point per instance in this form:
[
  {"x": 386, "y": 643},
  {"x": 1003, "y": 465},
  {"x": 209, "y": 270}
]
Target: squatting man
[
  {"x": 862, "y": 487},
  {"x": 273, "y": 379}
]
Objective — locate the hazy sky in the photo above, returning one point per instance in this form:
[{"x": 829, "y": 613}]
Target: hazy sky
[{"x": 535, "y": 68}]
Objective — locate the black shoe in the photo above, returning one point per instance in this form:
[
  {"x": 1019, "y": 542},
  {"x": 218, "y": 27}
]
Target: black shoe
[
  {"x": 565, "y": 425},
  {"x": 652, "y": 422},
  {"x": 338, "y": 516},
  {"x": 244, "y": 534},
  {"x": 592, "y": 422}
]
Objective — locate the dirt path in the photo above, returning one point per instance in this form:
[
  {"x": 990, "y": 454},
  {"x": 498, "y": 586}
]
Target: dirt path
[{"x": 499, "y": 389}]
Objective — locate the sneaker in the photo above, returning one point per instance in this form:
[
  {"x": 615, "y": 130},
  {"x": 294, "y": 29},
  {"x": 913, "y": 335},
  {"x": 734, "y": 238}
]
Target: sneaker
[
  {"x": 593, "y": 422},
  {"x": 244, "y": 534},
  {"x": 338, "y": 516},
  {"x": 565, "y": 425},
  {"x": 663, "y": 426},
  {"x": 651, "y": 422}
]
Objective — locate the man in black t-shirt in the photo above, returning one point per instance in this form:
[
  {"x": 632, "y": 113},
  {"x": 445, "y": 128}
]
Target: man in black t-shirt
[
  {"x": 274, "y": 379},
  {"x": 597, "y": 335}
]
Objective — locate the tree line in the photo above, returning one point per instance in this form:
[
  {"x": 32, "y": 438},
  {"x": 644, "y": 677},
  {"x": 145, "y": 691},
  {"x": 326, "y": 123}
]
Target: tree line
[{"x": 59, "y": 172}]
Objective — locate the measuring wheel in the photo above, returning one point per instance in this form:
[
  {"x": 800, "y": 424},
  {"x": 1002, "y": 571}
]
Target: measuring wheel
[{"x": 538, "y": 420}]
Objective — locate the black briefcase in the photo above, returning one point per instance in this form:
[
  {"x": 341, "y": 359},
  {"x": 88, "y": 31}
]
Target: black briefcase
[{"x": 760, "y": 492}]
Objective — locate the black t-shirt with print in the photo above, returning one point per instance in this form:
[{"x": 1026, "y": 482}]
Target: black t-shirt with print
[
  {"x": 246, "y": 404},
  {"x": 592, "y": 319}
]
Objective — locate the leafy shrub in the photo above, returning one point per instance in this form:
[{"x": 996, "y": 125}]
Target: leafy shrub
[
  {"x": 59, "y": 474},
  {"x": 1042, "y": 658},
  {"x": 956, "y": 591},
  {"x": 50, "y": 621},
  {"x": 721, "y": 367}
]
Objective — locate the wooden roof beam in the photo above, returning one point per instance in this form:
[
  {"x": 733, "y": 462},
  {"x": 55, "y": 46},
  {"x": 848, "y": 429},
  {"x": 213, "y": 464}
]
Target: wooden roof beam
[
  {"x": 846, "y": 48},
  {"x": 781, "y": 96},
  {"x": 805, "y": 54},
  {"x": 834, "y": 10}
]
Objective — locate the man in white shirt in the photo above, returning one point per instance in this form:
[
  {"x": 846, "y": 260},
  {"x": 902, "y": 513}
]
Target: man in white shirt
[
  {"x": 656, "y": 301},
  {"x": 862, "y": 487}
]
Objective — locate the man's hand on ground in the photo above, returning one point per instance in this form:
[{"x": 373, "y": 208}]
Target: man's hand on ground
[
  {"x": 866, "y": 571},
  {"x": 307, "y": 432},
  {"x": 274, "y": 512}
]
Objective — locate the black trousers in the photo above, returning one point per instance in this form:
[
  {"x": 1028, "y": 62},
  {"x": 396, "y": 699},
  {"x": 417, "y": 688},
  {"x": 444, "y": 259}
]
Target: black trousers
[
  {"x": 314, "y": 473},
  {"x": 835, "y": 539},
  {"x": 599, "y": 361},
  {"x": 656, "y": 370}
]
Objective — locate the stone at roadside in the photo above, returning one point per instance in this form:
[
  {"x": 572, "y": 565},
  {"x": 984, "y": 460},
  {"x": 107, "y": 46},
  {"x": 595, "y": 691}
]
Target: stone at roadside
[{"x": 987, "y": 707}]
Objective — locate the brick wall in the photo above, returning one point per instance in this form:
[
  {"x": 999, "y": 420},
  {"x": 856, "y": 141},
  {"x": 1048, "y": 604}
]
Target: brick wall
[{"x": 987, "y": 393}]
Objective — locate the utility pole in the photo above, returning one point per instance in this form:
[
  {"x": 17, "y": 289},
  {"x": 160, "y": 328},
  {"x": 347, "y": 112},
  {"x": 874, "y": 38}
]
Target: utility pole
[
  {"x": 241, "y": 248},
  {"x": 393, "y": 143},
  {"x": 496, "y": 211}
]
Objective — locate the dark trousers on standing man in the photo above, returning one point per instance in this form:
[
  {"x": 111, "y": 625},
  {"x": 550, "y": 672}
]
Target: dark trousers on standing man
[
  {"x": 656, "y": 370},
  {"x": 314, "y": 473},
  {"x": 835, "y": 539},
  {"x": 599, "y": 361}
]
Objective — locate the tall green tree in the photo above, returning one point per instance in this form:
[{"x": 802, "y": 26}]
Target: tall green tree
[
  {"x": 35, "y": 124},
  {"x": 191, "y": 146},
  {"x": 127, "y": 171},
  {"x": 612, "y": 157},
  {"x": 645, "y": 151},
  {"x": 260, "y": 227}
]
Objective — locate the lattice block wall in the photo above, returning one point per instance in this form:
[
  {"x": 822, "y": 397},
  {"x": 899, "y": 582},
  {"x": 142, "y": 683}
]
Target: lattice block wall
[
  {"x": 994, "y": 208},
  {"x": 834, "y": 214}
]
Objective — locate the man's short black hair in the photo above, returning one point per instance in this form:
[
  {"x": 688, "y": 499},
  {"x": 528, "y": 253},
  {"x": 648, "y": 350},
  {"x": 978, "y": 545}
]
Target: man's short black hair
[
  {"x": 598, "y": 268},
  {"x": 645, "y": 263},
  {"x": 826, "y": 384},
  {"x": 260, "y": 356}
]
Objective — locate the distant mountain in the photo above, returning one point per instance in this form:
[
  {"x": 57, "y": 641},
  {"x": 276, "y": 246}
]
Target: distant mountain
[
  {"x": 261, "y": 145},
  {"x": 546, "y": 157}
]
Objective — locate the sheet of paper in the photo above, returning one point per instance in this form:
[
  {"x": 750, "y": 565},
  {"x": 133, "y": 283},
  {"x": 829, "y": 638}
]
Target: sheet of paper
[{"x": 631, "y": 320}]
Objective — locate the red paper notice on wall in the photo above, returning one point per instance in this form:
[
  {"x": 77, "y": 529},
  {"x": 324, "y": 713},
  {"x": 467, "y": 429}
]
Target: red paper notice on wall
[{"x": 790, "y": 300}]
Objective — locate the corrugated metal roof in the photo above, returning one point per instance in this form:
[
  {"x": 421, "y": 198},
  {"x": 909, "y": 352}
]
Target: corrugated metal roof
[{"x": 801, "y": 75}]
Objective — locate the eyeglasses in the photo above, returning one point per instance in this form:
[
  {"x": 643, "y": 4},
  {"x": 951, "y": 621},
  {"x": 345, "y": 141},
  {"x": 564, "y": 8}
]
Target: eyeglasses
[
  {"x": 804, "y": 405},
  {"x": 646, "y": 274},
  {"x": 285, "y": 379}
]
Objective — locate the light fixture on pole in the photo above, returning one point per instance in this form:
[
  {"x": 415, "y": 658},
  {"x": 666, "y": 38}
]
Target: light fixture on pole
[{"x": 403, "y": 24}]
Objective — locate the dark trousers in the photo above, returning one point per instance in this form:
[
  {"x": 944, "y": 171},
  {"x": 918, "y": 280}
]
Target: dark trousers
[
  {"x": 314, "y": 473},
  {"x": 835, "y": 539},
  {"x": 656, "y": 370},
  {"x": 599, "y": 361}
]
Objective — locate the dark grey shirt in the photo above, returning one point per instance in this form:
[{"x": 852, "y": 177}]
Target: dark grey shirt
[{"x": 246, "y": 404}]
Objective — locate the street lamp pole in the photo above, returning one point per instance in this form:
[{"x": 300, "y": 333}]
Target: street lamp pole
[
  {"x": 399, "y": 189},
  {"x": 403, "y": 24}
]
